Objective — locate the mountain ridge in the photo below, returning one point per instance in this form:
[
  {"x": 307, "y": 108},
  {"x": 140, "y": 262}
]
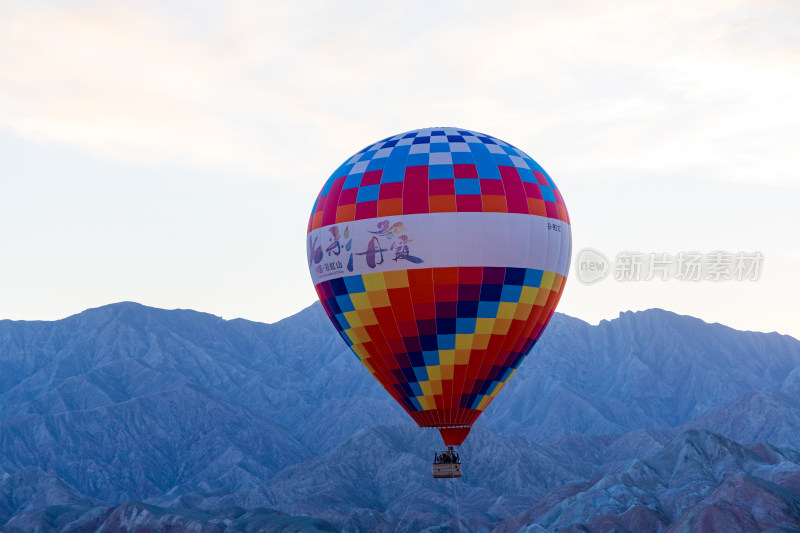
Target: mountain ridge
[{"x": 222, "y": 414}]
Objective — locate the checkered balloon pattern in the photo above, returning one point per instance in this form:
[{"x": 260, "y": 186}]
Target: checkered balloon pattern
[
  {"x": 440, "y": 255},
  {"x": 437, "y": 170}
]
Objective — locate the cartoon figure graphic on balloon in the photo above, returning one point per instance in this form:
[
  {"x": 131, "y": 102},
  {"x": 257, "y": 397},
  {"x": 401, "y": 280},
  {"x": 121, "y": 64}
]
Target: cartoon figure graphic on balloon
[{"x": 384, "y": 230}]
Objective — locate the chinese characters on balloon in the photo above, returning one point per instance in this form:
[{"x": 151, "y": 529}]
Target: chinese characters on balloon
[{"x": 386, "y": 241}]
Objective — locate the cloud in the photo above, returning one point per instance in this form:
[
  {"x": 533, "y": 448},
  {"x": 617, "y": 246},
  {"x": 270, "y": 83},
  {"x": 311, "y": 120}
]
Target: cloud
[
  {"x": 114, "y": 83},
  {"x": 612, "y": 91}
]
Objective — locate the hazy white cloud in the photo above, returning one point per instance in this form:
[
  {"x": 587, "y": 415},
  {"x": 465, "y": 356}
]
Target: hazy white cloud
[{"x": 250, "y": 86}]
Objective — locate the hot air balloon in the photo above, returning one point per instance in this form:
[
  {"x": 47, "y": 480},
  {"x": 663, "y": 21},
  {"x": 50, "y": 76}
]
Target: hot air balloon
[{"x": 440, "y": 255}]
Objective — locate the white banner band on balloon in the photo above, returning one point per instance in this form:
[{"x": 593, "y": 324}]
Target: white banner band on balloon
[{"x": 438, "y": 240}]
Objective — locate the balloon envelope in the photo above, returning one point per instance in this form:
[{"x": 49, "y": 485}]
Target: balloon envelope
[{"x": 440, "y": 255}]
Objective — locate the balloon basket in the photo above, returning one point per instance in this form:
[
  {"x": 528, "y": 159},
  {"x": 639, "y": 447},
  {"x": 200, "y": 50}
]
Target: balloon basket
[{"x": 446, "y": 463}]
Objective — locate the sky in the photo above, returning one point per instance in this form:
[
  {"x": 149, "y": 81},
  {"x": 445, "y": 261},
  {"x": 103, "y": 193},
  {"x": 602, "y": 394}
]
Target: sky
[{"x": 170, "y": 153}]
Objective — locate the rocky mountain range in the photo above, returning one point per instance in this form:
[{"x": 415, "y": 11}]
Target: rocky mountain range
[{"x": 129, "y": 418}]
